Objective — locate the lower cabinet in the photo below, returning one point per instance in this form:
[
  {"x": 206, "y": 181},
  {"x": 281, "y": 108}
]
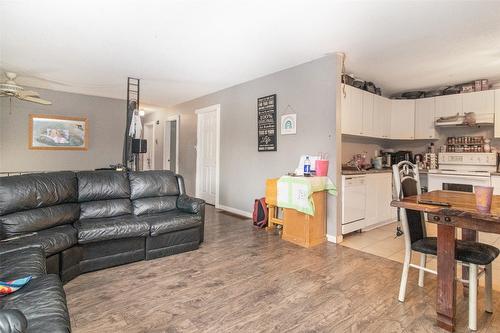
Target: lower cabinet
[
  {"x": 495, "y": 182},
  {"x": 378, "y": 199}
]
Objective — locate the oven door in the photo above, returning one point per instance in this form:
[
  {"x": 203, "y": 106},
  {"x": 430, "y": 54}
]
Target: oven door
[{"x": 460, "y": 183}]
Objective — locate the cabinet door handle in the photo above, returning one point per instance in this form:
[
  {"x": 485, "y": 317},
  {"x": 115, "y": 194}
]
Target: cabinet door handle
[
  {"x": 447, "y": 219},
  {"x": 436, "y": 218}
]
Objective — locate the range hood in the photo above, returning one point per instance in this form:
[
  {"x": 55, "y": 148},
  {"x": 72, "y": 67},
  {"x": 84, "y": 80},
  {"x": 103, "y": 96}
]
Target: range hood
[{"x": 467, "y": 120}]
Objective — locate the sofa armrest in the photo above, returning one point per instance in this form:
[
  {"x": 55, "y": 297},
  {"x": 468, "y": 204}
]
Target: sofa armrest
[
  {"x": 190, "y": 205},
  {"x": 18, "y": 243},
  {"x": 22, "y": 262},
  {"x": 13, "y": 321}
]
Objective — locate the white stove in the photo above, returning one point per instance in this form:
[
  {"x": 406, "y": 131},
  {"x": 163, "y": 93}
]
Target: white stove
[{"x": 462, "y": 171}]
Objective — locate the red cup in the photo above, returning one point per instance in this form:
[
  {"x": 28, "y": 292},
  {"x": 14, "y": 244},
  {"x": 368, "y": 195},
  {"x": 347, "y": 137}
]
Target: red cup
[
  {"x": 484, "y": 194},
  {"x": 321, "y": 168}
]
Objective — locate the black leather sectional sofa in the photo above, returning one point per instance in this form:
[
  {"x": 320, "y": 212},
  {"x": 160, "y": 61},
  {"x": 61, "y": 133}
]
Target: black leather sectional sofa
[{"x": 65, "y": 223}]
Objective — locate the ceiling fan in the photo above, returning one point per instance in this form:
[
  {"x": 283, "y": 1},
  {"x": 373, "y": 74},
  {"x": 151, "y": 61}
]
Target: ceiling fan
[{"x": 11, "y": 89}]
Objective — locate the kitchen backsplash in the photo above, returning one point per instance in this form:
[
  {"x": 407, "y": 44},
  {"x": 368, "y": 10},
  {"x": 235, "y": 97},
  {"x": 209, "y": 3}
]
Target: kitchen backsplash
[{"x": 354, "y": 144}]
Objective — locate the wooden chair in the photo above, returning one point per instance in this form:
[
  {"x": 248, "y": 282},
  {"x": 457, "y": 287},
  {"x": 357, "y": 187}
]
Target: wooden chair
[
  {"x": 469, "y": 253},
  {"x": 272, "y": 203}
]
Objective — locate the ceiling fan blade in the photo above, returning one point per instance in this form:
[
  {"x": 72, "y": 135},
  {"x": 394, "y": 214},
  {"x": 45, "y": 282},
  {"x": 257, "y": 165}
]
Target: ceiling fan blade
[
  {"x": 24, "y": 93},
  {"x": 35, "y": 100}
]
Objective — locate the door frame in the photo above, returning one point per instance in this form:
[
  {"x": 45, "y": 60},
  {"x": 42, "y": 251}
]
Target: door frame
[
  {"x": 211, "y": 108},
  {"x": 150, "y": 146},
  {"x": 177, "y": 118}
]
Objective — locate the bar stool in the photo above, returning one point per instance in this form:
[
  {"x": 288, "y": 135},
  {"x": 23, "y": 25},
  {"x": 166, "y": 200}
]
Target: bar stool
[{"x": 472, "y": 254}]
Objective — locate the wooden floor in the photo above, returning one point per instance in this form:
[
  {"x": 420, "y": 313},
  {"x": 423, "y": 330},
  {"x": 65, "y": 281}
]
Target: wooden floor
[{"x": 248, "y": 280}]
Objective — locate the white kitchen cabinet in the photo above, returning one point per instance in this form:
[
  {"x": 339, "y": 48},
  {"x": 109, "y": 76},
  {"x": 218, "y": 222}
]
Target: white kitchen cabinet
[
  {"x": 352, "y": 110},
  {"x": 402, "y": 119},
  {"x": 448, "y": 105},
  {"x": 495, "y": 182},
  {"x": 378, "y": 199},
  {"x": 497, "y": 113},
  {"x": 480, "y": 102},
  {"x": 425, "y": 109},
  {"x": 381, "y": 117},
  {"x": 368, "y": 128}
]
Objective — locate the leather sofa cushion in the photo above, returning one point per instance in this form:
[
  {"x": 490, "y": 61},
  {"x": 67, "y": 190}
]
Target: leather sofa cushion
[
  {"x": 105, "y": 208},
  {"x": 52, "y": 241},
  {"x": 23, "y": 262},
  {"x": 154, "y": 205},
  {"x": 43, "y": 302},
  {"x": 170, "y": 221},
  {"x": 102, "y": 185},
  {"x": 96, "y": 230},
  {"x": 13, "y": 321},
  {"x": 38, "y": 219},
  {"x": 157, "y": 183},
  {"x": 467, "y": 251},
  {"x": 24, "y": 192}
]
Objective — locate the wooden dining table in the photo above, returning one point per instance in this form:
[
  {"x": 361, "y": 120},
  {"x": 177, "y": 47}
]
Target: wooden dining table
[{"x": 461, "y": 213}]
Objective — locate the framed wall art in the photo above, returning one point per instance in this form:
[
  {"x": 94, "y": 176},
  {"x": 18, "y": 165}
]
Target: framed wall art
[
  {"x": 266, "y": 123},
  {"x": 51, "y": 132},
  {"x": 288, "y": 124}
]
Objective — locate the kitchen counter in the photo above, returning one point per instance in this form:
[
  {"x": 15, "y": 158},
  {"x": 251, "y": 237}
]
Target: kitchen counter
[
  {"x": 384, "y": 170},
  {"x": 365, "y": 172}
]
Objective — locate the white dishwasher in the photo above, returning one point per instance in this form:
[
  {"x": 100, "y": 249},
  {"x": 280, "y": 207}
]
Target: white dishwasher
[{"x": 353, "y": 203}]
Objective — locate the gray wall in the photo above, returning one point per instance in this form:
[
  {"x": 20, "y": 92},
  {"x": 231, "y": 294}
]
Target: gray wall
[
  {"x": 106, "y": 119},
  {"x": 308, "y": 88}
]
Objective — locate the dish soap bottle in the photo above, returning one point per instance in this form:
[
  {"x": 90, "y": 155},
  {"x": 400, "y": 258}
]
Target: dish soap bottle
[{"x": 307, "y": 167}]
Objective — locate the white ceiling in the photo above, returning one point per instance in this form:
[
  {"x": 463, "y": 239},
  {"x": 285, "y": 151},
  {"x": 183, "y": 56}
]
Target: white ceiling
[{"x": 185, "y": 49}]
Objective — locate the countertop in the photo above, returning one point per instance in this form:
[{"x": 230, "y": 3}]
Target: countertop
[{"x": 371, "y": 171}]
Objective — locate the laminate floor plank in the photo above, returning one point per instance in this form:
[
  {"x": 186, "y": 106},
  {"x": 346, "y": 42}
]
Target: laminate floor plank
[{"x": 244, "y": 279}]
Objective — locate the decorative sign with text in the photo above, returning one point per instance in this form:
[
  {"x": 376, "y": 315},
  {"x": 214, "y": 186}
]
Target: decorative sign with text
[{"x": 266, "y": 123}]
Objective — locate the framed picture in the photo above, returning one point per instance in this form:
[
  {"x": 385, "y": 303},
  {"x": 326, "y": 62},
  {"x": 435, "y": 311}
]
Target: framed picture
[
  {"x": 50, "y": 132},
  {"x": 266, "y": 123},
  {"x": 288, "y": 124}
]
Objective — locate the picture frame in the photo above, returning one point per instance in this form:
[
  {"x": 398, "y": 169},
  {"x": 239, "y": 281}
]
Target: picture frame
[
  {"x": 53, "y": 132},
  {"x": 289, "y": 124},
  {"x": 267, "y": 124}
]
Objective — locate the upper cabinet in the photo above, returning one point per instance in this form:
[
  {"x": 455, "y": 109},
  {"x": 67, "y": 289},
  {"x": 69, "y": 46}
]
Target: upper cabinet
[
  {"x": 368, "y": 127},
  {"x": 425, "y": 114},
  {"x": 352, "y": 110},
  {"x": 403, "y": 119},
  {"x": 497, "y": 113},
  {"x": 381, "y": 117},
  {"x": 481, "y": 102},
  {"x": 367, "y": 114},
  {"x": 448, "y": 105}
]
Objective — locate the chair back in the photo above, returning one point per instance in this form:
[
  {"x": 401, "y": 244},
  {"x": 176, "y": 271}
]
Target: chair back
[{"x": 407, "y": 183}]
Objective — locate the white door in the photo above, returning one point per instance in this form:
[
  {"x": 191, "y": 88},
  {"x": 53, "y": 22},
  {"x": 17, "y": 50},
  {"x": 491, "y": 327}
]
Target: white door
[
  {"x": 148, "y": 157},
  {"x": 207, "y": 154},
  {"x": 166, "y": 146}
]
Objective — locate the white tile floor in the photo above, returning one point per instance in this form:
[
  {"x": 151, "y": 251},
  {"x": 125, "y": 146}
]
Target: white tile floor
[{"x": 383, "y": 242}]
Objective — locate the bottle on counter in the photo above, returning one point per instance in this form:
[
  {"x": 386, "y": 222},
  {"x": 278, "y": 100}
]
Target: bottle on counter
[{"x": 307, "y": 167}]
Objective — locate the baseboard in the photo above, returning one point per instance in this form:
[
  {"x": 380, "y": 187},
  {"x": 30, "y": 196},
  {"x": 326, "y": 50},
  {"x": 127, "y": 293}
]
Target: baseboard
[
  {"x": 334, "y": 239},
  {"x": 235, "y": 211}
]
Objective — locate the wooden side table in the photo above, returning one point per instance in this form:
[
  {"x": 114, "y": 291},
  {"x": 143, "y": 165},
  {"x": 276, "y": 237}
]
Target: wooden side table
[{"x": 306, "y": 230}]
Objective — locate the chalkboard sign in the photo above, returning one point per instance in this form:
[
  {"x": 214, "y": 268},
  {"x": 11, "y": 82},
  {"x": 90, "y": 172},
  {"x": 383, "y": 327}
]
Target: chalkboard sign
[{"x": 266, "y": 123}]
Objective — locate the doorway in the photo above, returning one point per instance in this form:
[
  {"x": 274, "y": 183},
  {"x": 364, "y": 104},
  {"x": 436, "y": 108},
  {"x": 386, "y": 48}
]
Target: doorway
[
  {"x": 148, "y": 159},
  {"x": 171, "y": 144},
  {"x": 208, "y": 154}
]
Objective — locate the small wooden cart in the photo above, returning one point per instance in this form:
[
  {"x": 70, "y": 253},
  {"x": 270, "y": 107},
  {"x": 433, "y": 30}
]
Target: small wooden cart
[{"x": 298, "y": 228}]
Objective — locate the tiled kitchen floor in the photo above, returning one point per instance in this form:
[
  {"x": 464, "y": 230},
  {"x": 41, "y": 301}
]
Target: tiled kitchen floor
[{"x": 383, "y": 242}]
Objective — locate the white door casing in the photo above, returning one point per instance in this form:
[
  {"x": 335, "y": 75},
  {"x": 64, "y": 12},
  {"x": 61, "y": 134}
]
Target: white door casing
[
  {"x": 148, "y": 159},
  {"x": 166, "y": 143},
  {"x": 208, "y": 154}
]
